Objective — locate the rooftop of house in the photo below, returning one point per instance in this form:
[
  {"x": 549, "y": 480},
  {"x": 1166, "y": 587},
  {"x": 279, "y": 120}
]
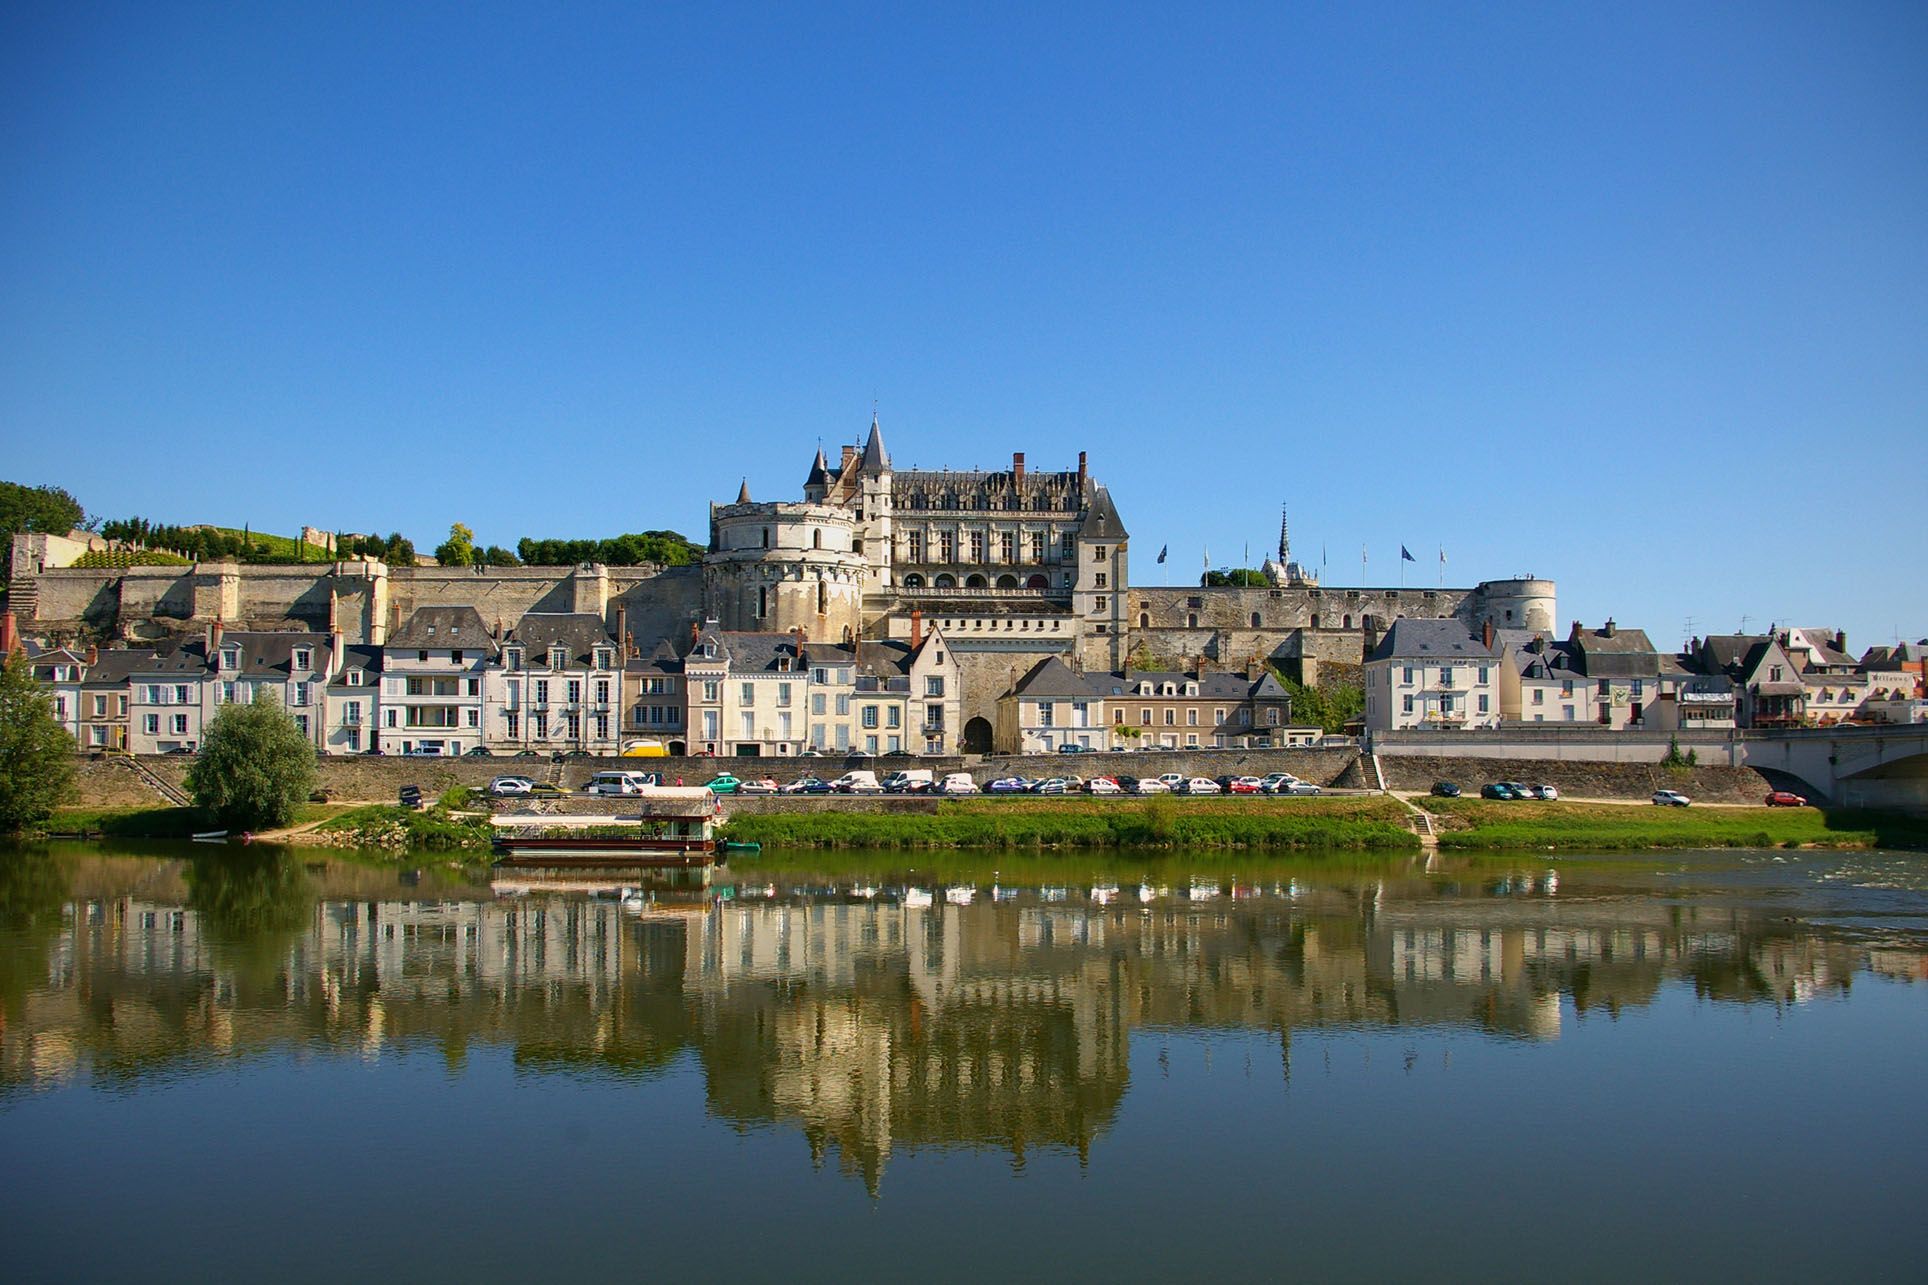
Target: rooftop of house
[
  {"x": 445, "y": 628},
  {"x": 1411, "y": 638},
  {"x": 578, "y": 633}
]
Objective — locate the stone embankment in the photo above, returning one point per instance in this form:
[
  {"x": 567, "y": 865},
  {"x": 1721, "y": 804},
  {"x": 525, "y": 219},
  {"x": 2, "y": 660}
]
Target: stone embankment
[{"x": 1577, "y": 780}]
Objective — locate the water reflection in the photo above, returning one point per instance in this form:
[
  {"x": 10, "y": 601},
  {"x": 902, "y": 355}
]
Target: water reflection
[{"x": 876, "y": 1019}]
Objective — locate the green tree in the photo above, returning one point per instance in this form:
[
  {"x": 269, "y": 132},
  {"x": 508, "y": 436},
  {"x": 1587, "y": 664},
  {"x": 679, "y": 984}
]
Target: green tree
[
  {"x": 1329, "y": 705},
  {"x": 459, "y": 549},
  {"x": 47, "y": 510},
  {"x": 36, "y": 754},
  {"x": 255, "y": 767}
]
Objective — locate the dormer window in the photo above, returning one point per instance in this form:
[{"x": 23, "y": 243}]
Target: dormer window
[
  {"x": 230, "y": 658},
  {"x": 604, "y": 658},
  {"x": 558, "y": 657},
  {"x": 709, "y": 651},
  {"x": 1191, "y": 689},
  {"x": 455, "y": 657},
  {"x": 304, "y": 658},
  {"x": 512, "y": 658},
  {"x": 353, "y": 678}
]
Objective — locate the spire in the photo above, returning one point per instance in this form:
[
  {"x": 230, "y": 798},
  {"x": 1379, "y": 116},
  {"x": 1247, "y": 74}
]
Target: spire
[
  {"x": 1285, "y": 540},
  {"x": 875, "y": 460},
  {"x": 1101, "y": 521},
  {"x": 743, "y": 493},
  {"x": 819, "y": 472}
]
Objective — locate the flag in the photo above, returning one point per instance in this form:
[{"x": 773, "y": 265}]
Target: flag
[
  {"x": 1405, "y": 554},
  {"x": 1162, "y": 552},
  {"x": 1442, "y": 555}
]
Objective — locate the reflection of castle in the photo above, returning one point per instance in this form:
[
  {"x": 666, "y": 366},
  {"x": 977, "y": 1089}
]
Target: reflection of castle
[{"x": 874, "y": 1027}]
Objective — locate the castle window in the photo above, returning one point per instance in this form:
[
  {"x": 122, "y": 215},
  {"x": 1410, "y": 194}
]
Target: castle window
[
  {"x": 915, "y": 544},
  {"x": 762, "y": 603},
  {"x": 1144, "y": 620},
  {"x": 816, "y": 539},
  {"x": 1104, "y": 604},
  {"x": 1007, "y": 547},
  {"x": 1068, "y": 546},
  {"x": 1315, "y": 620},
  {"x": 823, "y": 598},
  {"x": 977, "y": 546},
  {"x": 946, "y": 547},
  {"x": 1037, "y": 546},
  {"x": 1255, "y": 620},
  {"x": 766, "y": 537},
  {"x": 1345, "y": 623},
  {"x": 1098, "y": 553},
  {"x": 1191, "y": 620}
]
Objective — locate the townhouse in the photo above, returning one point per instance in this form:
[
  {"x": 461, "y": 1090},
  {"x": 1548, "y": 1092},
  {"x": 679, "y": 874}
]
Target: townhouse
[
  {"x": 61, "y": 670},
  {"x": 1431, "y": 674},
  {"x": 290, "y": 669},
  {"x": 654, "y": 698},
  {"x": 1622, "y": 667},
  {"x": 559, "y": 686},
  {"x": 433, "y": 669},
  {"x": 1052, "y": 706},
  {"x": 352, "y": 703}
]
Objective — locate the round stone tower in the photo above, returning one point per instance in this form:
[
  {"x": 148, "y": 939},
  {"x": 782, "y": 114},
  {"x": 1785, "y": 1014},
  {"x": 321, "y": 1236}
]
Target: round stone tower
[
  {"x": 774, "y": 568},
  {"x": 1523, "y": 602}
]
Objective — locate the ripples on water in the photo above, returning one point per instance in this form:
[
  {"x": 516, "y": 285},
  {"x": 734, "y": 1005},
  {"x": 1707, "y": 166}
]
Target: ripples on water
[{"x": 875, "y": 1011}]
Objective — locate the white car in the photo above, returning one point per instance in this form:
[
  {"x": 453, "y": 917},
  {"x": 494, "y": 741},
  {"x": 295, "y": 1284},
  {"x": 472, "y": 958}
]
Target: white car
[
  {"x": 763, "y": 785},
  {"x": 957, "y": 783},
  {"x": 1173, "y": 780},
  {"x": 1151, "y": 785},
  {"x": 1670, "y": 799},
  {"x": 1296, "y": 786},
  {"x": 1198, "y": 785},
  {"x": 504, "y": 786},
  {"x": 1102, "y": 785}
]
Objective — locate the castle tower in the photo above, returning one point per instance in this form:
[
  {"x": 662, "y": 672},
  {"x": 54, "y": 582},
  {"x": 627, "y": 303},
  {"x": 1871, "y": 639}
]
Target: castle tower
[
  {"x": 874, "y": 505},
  {"x": 775, "y": 567}
]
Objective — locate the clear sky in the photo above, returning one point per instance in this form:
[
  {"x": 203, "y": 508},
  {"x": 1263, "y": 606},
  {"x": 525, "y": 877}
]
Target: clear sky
[{"x": 1627, "y": 295}]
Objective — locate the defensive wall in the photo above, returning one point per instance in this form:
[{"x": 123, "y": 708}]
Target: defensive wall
[{"x": 1579, "y": 779}]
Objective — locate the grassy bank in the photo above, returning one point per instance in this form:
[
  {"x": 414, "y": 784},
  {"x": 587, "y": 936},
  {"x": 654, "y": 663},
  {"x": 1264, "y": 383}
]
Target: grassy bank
[
  {"x": 155, "y": 823},
  {"x": 442, "y": 826},
  {"x": 1477, "y": 824},
  {"x": 1094, "y": 823}
]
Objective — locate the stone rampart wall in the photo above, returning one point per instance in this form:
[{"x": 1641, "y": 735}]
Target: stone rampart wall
[{"x": 1580, "y": 779}]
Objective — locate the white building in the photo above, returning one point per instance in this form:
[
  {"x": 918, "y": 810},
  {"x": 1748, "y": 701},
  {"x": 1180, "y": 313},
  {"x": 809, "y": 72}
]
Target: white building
[
  {"x": 559, "y": 687},
  {"x": 1431, "y": 675},
  {"x": 433, "y": 669}
]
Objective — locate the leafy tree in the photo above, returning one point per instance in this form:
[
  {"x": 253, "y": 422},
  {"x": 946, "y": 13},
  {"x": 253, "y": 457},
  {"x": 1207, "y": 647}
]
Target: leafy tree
[
  {"x": 664, "y": 548},
  {"x": 36, "y": 754},
  {"x": 1329, "y": 705},
  {"x": 397, "y": 551},
  {"x": 255, "y": 767},
  {"x": 46, "y": 510},
  {"x": 496, "y": 556},
  {"x": 459, "y": 549},
  {"x": 1244, "y": 577}
]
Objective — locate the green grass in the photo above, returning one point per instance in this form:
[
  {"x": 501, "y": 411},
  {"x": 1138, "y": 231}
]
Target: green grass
[
  {"x": 156, "y": 823},
  {"x": 1468, "y": 824},
  {"x": 98, "y": 558},
  {"x": 1092, "y": 824},
  {"x": 382, "y": 825}
]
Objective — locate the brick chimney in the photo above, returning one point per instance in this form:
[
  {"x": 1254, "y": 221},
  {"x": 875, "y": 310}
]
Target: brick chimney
[
  {"x": 1082, "y": 470},
  {"x": 917, "y": 620},
  {"x": 93, "y": 654},
  {"x": 1486, "y": 635},
  {"x": 696, "y": 631},
  {"x": 1841, "y": 640},
  {"x": 9, "y": 634},
  {"x": 796, "y": 639},
  {"x": 1576, "y": 630},
  {"x": 1017, "y": 466},
  {"x": 623, "y": 644},
  {"x": 1608, "y": 631},
  {"x": 215, "y": 633},
  {"x": 849, "y": 458}
]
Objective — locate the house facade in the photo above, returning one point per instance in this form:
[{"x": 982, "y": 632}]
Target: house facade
[
  {"x": 558, "y": 687},
  {"x": 433, "y": 670},
  {"x": 1433, "y": 675}
]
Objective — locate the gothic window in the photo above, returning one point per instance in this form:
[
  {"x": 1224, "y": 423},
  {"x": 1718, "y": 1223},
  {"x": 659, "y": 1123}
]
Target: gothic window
[
  {"x": 916, "y": 546},
  {"x": 977, "y": 546},
  {"x": 816, "y": 539},
  {"x": 946, "y": 547},
  {"x": 1007, "y": 547},
  {"x": 823, "y": 598}
]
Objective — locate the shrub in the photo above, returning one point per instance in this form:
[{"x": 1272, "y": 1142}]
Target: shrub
[{"x": 255, "y": 767}]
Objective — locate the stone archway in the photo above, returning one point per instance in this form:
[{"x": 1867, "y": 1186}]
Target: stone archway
[
  {"x": 977, "y": 736},
  {"x": 1007, "y": 582},
  {"x": 946, "y": 581},
  {"x": 975, "y": 581},
  {"x": 913, "y": 581},
  {"x": 1037, "y": 582}
]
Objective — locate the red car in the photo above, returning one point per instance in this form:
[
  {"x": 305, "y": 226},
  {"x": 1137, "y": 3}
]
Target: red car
[{"x": 1786, "y": 799}]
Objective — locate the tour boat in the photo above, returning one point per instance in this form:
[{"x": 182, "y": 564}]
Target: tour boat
[{"x": 669, "y": 827}]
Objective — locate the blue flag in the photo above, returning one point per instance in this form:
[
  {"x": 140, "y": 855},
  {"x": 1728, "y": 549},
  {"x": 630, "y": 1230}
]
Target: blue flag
[
  {"x": 1405, "y": 555},
  {"x": 1162, "y": 552}
]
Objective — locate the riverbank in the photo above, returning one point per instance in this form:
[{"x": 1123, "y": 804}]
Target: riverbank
[
  {"x": 1479, "y": 824},
  {"x": 997, "y": 824}
]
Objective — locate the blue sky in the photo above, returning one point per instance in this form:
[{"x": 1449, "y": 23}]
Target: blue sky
[{"x": 1628, "y": 296}]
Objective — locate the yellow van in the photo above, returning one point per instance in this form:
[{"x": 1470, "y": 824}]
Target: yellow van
[{"x": 646, "y": 750}]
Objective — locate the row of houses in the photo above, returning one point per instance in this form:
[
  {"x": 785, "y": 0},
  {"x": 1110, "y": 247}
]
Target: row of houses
[
  {"x": 446, "y": 684},
  {"x": 1437, "y": 674},
  {"x": 1053, "y": 706}
]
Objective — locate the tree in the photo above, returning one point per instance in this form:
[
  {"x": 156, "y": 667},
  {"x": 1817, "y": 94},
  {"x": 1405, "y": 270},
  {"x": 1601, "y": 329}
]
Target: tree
[
  {"x": 36, "y": 754},
  {"x": 1329, "y": 705},
  {"x": 46, "y": 510},
  {"x": 255, "y": 767},
  {"x": 459, "y": 549}
]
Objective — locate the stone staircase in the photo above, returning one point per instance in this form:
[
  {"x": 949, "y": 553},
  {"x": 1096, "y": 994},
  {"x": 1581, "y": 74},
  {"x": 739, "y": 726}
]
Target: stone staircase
[{"x": 156, "y": 782}]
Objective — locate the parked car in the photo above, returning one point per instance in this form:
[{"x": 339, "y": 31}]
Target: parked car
[
  {"x": 622, "y": 782},
  {"x": 1247, "y": 785},
  {"x": 1102, "y": 785},
  {"x": 1445, "y": 790},
  {"x": 1009, "y": 785},
  {"x": 1050, "y": 785},
  {"x": 1172, "y": 780},
  {"x": 957, "y": 783},
  {"x": 1271, "y": 781},
  {"x": 1671, "y": 799},
  {"x": 1786, "y": 799},
  {"x": 1199, "y": 785},
  {"x": 504, "y": 786},
  {"x": 1150, "y": 785},
  {"x": 1296, "y": 786},
  {"x": 1520, "y": 790},
  {"x": 479, "y": 752},
  {"x": 861, "y": 781},
  {"x": 723, "y": 783},
  {"x": 915, "y": 780},
  {"x": 1546, "y": 792},
  {"x": 1497, "y": 790},
  {"x": 409, "y": 796},
  {"x": 1071, "y": 747},
  {"x": 807, "y": 785},
  {"x": 762, "y": 785},
  {"x": 544, "y": 790}
]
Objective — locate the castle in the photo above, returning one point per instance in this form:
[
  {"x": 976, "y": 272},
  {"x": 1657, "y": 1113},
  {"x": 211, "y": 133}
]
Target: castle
[{"x": 1013, "y": 565}]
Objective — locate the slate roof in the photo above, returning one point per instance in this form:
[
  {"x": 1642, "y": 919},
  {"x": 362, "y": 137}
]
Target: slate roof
[
  {"x": 112, "y": 668},
  {"x": 1624, "y": 653},
  {"x": 876, "y": 459},
  {"x": 819, "y": 471},
  {"x": 1411, "y": 638},
  {"x": 180, "y": 656},
  {"x": 579, "y": 632},
  {"x": 1101, "y": 520},
  {"x": 1051, "y": 677},
  {"x": 360, "y": 656},
  {"x": 662, "y": 660},
  {"x": 443, "y": 628},
  {"x": 767, "y": 653},
  {"x": 1732, "y": 652},
  {"x": 1213, "y": 684},
  {"x": 267, "y": 654},
  {"x": 1549, "y": 661}
]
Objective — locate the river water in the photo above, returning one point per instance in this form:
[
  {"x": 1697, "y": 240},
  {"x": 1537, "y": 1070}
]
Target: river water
[{"x": 267, "y": 1066}]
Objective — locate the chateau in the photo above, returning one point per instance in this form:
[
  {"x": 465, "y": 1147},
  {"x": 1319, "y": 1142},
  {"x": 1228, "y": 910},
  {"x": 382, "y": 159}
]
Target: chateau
[{"x": 1010, "y": 568}]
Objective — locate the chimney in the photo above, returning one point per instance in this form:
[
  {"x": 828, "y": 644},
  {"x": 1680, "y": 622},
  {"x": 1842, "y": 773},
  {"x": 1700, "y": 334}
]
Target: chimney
[
  {"x": 93, "y": 655},
  {"x": 9, "y": 634},
  {"x": 1486, "y": 635},
  {"x": 849, "y": 458},
  {"x": 1017, "y": 466},
  {"x": 1608, "y": 631},
  {"x": 696, "y": 631},
  {"x": 1841, "y": 640},
  {"x": 1081, "y": 466},
  {"x": 917, "y": 616},
  {"x": 796, "y": 642},
  {"x": 1576, "y": 631},
  {"x": 215, "y": 632},
  {"x": 622, "y": 629}
]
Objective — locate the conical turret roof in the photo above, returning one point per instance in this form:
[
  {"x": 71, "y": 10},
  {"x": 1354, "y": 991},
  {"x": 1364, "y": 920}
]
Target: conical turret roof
[
  {"x": 819, "y": 471},
  {"x": 876, "y": 459},
  {"x": 743, "y": 492}
]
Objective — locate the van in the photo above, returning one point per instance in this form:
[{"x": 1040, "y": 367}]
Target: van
[
  {"x": 621, "y": 782},
  {"x": 645, "y": 750},
  {"x": 957, "y": 783},
  {"x": 915, "y": 780},
  {"x": 857, "y": 783}
]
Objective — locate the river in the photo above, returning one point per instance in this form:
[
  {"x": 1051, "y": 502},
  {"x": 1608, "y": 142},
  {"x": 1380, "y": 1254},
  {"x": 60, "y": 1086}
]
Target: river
[{"x": 262, "y": 1064}]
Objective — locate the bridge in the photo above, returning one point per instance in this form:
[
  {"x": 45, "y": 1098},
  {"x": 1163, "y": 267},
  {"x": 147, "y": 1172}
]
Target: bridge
[{"x": 1861, "y": 767}]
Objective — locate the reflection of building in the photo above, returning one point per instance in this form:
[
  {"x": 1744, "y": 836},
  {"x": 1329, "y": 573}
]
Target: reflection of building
[{"x": 875, "y": 1027}]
